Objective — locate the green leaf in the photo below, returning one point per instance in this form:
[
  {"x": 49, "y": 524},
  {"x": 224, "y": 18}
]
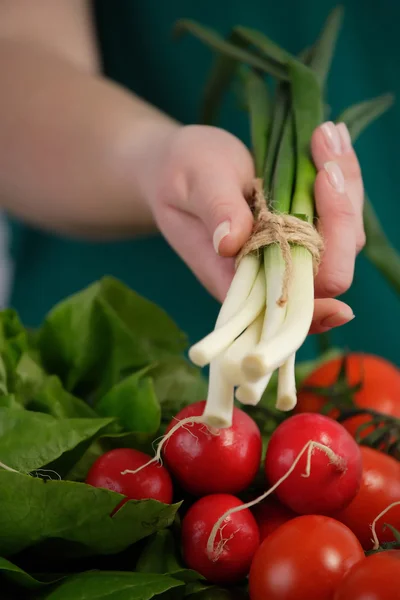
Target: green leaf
[
  {"x": 219, "y": 80},
  {"x": 177, "y": 383},
  {"x": 134, "y": 402},
  {"x": 160, "y": 556},
  {"x": 379, "y": 250},
  {"x": 54, "y": 400},
  {"x": 259, "y": 107},
  {"x": 75, "y": 515},
  {"x": 20, "y": 577},
  {"x": 118, "y": 585},
  {"x": 98, "y": 335},
  {"x": 308, "y": 114},
  {"x": 30, "y": 441},
  {"x": 284, "y": 171},
  {"x": 359, "y": 116},
  {"x": 217, "y": 43},
  {"x": 280, "y": 111},
  {"x": 321, "y": 56},
  {"x": 267, "y": 48}
]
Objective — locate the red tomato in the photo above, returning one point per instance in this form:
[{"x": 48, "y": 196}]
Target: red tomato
[
  {"x": 271, "y": 514},
  {"x": 329, "y": 487},
  {"x": 207, "y": 462},
  {"x": 239, "y": 535},
  {"x": 152, "y": 482},
  {"x": 305, "y": 559},
  {"x": 380, "y": 487},
  {"x": 375, "y": 578},
  {"x": 380, "y": 390}
]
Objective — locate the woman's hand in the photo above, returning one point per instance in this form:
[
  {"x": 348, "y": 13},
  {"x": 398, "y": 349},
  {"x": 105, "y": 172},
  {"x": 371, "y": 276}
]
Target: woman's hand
[{"x": 199, "y": 204}]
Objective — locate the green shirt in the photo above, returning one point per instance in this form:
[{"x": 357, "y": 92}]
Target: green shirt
[{"x": 138, "y": 52}]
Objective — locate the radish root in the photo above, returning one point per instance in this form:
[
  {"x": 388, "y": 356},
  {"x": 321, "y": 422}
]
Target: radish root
[
  {"x": 375, "y": 539},
  {"x": 213, "y": 552},
  {"x": 157, "y": 457},
  {"x": 7, "y": 468}
]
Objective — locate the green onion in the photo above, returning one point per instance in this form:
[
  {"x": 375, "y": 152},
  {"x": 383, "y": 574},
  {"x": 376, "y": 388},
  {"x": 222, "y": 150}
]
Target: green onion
[{"x": 268, "y": 311}]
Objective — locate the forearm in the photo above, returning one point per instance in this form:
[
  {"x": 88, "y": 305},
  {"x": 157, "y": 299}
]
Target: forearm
[{"x": 74, "y": 148}]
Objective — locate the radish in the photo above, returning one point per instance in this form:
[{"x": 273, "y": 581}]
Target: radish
[
  {"x": 153, "y": 482},
  {"x": 270, "y": 515},
  {"x": 236, "y": 542},
  {"x": 312, "y": 482},
  {"x": 332, "y": 484},
  {"x": 206, "y": 461}
]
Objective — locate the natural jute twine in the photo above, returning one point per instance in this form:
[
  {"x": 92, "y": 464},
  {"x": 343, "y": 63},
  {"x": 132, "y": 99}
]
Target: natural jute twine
[{"x": 273, "y": 228}]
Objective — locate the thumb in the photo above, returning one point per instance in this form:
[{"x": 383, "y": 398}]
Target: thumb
[{"x": 218, "y": 200}]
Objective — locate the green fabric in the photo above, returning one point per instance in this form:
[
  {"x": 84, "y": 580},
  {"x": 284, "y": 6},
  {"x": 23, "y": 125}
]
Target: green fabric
[{"x": 137, "y": 50}]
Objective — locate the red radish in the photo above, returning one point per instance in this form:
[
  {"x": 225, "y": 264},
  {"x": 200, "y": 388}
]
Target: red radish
[
  {"x": 271, "y": 514},
  {"x": 153, "y": 482},
  {"x": 236, "y": 542},
  {"x": 331, "y": 485},
  {"x": 206, "y": 461}
]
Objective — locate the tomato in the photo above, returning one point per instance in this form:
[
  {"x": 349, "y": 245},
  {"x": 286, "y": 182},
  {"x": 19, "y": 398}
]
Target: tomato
[
  {"x": 239, "y": 537},
  {"x": 152, "y": 482},
  {"x": 271, "y": 514},
  {"x": 380, "y": 389},
  {"x": 209, "y": 462},
  {"x": 329, "y": 487},
  {"x": 375, "y": 578},
  {"x": 305, "y": 559},
  {"x": 380, "y": 487}
]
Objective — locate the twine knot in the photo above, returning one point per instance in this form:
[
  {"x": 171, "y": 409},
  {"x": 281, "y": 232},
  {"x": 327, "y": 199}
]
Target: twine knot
[{"x": 284, "y": 230}]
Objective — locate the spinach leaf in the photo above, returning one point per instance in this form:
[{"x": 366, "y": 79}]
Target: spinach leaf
[
  {"x": 134, "y": 402},
  {"x": 30, "y": 441},
  {"x": 20, "y": 577},
  {"x": 96, "y": 336},
  {"x": 54, "y": 400},
  {"x": 160, "y": 556},
  {"x": 118, "y": 585},
  {"x": 75, "y": 515}
]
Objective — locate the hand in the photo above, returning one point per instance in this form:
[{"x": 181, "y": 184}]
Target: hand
[{"x": 198, "y": 201}]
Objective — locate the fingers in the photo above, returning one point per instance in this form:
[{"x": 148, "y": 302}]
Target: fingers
[
  {"x": 220, "y": 204},
  {"x": 332, "y": 142},
  {"x": 337, "y": 225},
  {"x": 330, "y": 313},
  {"x": 191, "y": 241},
  {"x": 339, "y": 198}
]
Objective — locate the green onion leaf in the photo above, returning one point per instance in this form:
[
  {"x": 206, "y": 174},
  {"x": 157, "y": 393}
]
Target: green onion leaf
[
  {"x": 359, "y": 116},
  {"x": 267, "y": 48},
  {"x": 219, "y": 80},
  {"x": 324, "y": 48},
  {"x": 259, "y": 107},
  {"x": 308, "y": 114},
  {"x": 219, "y": 44}
]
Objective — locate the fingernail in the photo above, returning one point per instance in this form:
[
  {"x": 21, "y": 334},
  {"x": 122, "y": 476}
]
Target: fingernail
[
  {"x": 221, "y": 231},
  {"x": 332, "y": 137},
  {"x": 345, "y": 139},
  {"x": 335, "y": 176},
  {"x": 339, "y": 318}
]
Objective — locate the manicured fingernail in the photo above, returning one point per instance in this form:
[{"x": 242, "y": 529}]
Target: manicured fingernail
[
  {"x": 332, "y": 137},
  {"x": 335, "y": 176},
  {"x": 221, "y": 231},
  {"x": 344, "y": 134},
  {"x": 339, "y": 318}
]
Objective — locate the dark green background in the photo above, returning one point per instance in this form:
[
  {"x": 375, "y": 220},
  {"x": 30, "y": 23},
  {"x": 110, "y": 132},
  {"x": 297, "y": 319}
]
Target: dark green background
[{"x": 138, "y": 51}]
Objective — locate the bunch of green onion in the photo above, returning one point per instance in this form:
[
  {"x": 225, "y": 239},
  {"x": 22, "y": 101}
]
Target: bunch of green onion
[{"x": 257, "y": 331}]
